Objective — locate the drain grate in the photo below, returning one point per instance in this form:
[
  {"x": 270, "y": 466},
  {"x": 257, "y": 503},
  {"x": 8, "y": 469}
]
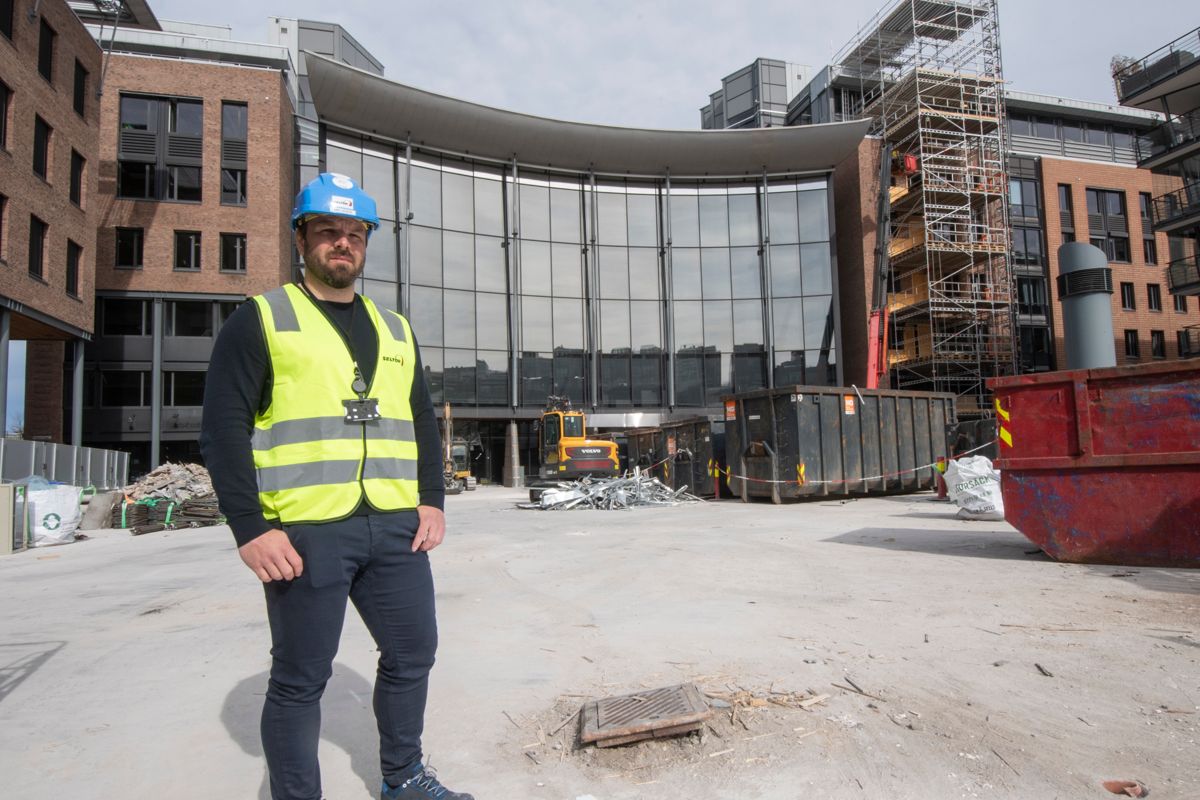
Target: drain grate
[{"x": 655, "y": 713}]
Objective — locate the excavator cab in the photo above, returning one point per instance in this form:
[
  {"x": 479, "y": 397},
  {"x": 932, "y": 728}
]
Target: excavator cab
[{"x": 566, "y": 452}]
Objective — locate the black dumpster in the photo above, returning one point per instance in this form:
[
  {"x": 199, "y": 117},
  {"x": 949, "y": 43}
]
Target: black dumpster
[
  {"x": 976, "y": 437},
  {"x": 645, "y": 449},
  {"x": 821, "y": 441},
  {"x": 695, "y": 448}
]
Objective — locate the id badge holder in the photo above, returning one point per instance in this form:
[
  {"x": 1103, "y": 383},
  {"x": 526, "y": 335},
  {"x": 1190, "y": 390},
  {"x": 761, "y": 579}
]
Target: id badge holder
[{"x": 365, "y": 409}]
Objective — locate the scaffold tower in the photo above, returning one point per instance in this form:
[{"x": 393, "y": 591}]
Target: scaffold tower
[{"x": 931, "y": 80}]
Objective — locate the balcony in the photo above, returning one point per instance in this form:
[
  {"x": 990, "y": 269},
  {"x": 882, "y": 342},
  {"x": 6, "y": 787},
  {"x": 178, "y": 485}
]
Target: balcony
[
  {"x": 1175, "y": 139},
  {"x": 1183, "y": 276},
  {"x": 1178, "y": 209},
  {"x": 1146, "y": 81}
]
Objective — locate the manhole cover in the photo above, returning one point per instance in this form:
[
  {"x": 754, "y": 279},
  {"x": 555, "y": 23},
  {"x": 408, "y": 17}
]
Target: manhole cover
[{"x": 655, "y": 713}]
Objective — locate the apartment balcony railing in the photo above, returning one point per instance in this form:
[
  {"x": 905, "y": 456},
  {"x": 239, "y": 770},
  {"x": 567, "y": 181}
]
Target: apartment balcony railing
[
  {"x": 1178, "y": 209},
  {"x": 1164, "y": 63},
  {"x": 1173, "y": 138},
  {"x": 1183, "y": 276}
]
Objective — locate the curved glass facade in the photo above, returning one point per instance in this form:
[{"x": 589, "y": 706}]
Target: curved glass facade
[{"x": 622, "y": 293}]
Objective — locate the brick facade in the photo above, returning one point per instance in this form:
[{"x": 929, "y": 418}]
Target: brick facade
[
  {"x": 856, "y": 197},
  {"x": 1083, "y": 175},
  {"x": 264, "y": 219},
  {"x": 28, "y": 194},
  {"x": 44, "y": 386}
]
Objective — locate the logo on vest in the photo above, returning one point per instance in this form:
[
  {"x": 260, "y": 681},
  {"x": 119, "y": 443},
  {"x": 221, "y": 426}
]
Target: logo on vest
[{"x": 394, "y": 360}]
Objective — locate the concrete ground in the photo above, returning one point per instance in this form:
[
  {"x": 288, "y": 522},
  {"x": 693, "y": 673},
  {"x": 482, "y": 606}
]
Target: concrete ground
[{"x": 135, "y": 667}]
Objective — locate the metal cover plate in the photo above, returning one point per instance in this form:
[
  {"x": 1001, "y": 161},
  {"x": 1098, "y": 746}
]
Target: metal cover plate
[{"x": 666, "y": 711}]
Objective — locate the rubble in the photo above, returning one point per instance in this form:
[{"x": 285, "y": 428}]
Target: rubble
[
  {"x": 169, "y": 497},
  {"x": 175, "y": 482},
  {"x": 636, "y": 489}
]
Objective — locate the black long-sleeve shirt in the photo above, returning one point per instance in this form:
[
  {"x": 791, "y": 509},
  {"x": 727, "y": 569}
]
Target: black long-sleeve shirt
[{"x": 238, "y": 387}]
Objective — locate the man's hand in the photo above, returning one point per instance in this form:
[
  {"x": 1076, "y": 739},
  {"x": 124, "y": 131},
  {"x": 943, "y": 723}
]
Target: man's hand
[
  {"x": 431, "y": 530},
  {"x": 272, "y": 557}
]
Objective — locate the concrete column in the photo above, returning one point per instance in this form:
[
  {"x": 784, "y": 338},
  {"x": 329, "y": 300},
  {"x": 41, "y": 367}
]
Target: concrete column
[
  {"x": 156, "y": 383},
  {"x": 77, "y": 396},
  {"x": 4, "y": 335},
  {"x": 512, "y": 457}
]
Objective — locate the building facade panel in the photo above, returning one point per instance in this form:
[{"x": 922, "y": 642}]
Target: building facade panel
[{"x": 51, "y": 123}]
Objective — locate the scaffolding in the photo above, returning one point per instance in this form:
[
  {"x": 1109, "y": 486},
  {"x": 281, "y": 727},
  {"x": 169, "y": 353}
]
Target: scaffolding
[{"x": 930, "y": 76}]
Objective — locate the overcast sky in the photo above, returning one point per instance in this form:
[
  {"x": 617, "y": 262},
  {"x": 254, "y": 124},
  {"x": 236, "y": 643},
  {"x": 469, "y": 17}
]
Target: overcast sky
[{"x": 653, "y": 64}]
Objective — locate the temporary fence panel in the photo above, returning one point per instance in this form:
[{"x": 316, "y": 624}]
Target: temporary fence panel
[
  {"x": 80, "y": 466},
  {"x": 820, "y": 441}
]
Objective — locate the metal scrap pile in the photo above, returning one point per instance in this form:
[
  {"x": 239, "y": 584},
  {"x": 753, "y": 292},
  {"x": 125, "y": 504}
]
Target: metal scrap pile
[
  {"x": 169, "y": 497},
  {"x": 636, "y": 489}
]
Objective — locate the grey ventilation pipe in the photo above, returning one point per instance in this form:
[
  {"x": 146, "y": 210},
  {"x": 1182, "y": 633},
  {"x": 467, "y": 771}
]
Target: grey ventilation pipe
[{"x": 1084, "y": 286}]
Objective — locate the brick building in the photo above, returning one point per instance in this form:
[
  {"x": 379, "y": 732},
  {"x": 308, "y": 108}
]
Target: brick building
[
  {"x": 195, "y": 183},
  {"x": 49, "y": 120}
]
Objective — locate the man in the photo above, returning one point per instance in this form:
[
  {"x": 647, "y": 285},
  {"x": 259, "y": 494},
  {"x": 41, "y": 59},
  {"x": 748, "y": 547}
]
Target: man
[{"x": 321, "y": 440}]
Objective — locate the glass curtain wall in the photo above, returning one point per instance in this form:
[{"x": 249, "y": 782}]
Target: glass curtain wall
[{"x": 607, "y": 277}]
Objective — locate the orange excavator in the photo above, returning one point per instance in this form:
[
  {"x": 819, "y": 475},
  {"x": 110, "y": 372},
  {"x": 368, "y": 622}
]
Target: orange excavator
[{"x": 566, "y": 451}]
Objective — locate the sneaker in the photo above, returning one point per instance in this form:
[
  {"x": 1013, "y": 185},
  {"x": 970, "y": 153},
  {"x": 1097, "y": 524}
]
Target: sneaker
[{"x": 421, "y": 784}]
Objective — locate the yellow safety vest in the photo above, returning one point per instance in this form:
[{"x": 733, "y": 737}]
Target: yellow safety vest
[{"x": 312, "y": 465}]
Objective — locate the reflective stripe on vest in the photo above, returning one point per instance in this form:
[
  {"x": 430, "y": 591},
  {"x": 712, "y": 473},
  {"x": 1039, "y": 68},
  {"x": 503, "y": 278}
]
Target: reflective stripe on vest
[{"x": 312, "y": 465}]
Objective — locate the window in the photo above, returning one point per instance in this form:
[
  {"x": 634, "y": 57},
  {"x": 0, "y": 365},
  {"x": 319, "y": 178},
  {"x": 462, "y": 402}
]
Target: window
[
  {"x": 1158, "y": 344},
  {"x": 183, "y": 184},
  {"x": 1024, "y": 197},
  {"x": 1154, "y": 296},
  {"x": 3, "y": 229},
  {"x": 189, "y": 318},
  {"x": 1027, "y": 245},
  {"x": 1150, "y": 251},
  {"x": 1183, "y": 344},
  {"x": 1144, "y": 203},
  {"x": 235, "y": 127},
  {"x": 74, "y": 253},
  {"x": 183, "y": 388},
  {"x": 46, "y": 52},
  {"x": 1097, "y": 134},
  {"x": 1128, "y": 302},
  {"x": 37, "y": 247},
  {"x": 1020, "y": 125},
  {"x": 233, "y": 252},
  {"x": 124, "y": 388},
  {"x": 129, "y": 248},
  {"x": 1108, "y": 227},
  {"x": 1180, "y": 303},
  {"x": 77, "y": 166},
  {"x": 5, "y": 99},
  {"x": 1045, "y": 128},
  {"x": 6, "y": 17},
  {"x": 160, "y": 149},
  {"x": 81, "y": 82},
  {"x": 233, "y": 187},
  {"x": 1031, "y": 296},
  {"x": 1066, "y": 212},
  {"x": 1131, "y": 344},
  {"x": 1072, "y": 131},
  {"x": 41, "y": 147},
  {"x": 187, "y": 250},
  {"x": 126, "y": 317}
]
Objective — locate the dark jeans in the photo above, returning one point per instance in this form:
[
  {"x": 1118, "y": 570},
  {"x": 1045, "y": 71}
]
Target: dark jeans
[{"x": 369, "y": 560}]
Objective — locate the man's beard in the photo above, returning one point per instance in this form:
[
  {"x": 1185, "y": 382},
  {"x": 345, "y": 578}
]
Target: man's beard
[{"x": 339, "y": 276}]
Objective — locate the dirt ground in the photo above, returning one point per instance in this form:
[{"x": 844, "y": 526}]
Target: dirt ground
[{"x": 874, "y": 648}]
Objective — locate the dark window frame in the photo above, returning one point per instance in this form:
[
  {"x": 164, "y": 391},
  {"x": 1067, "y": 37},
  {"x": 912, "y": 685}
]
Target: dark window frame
[
  {"x": 1128, "y": 297},
  {"x": 234, "y": 153},
  {"x": 39, "y": 232},
  {"x": 151, "y": 150},
  {"x": 78, "y": 171},
  {"x": 6, "y": 18},
  {"x": 79, "y": 91},
  {"x": 1180, "y": 303},
  {"x": 1158, "y": 344},
  {"x": 3, "y": 228},
  {"x": 1132, "y": 347},
  {"x": 137, "y": 240},
  {"x": 74, "y": 257},
  {"x": 43, "y": 136},
  {"x": 1150, "y": 250},
  {"x": 6, "y": 95},
  {"x": 238, "y": 243},
  {"x": 190, "y": 253},
  {"x": 47, "y": 38},
  {"x": 1154, "y": 297}
]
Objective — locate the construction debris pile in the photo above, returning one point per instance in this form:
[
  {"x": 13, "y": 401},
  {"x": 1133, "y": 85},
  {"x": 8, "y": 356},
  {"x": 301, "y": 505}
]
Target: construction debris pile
[
  {"x": 169, "y": 497},
  {"x": 636, "y": 489}
]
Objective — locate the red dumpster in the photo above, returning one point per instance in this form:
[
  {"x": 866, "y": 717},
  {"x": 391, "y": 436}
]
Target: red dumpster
[{"x": 1103, "y": 466}]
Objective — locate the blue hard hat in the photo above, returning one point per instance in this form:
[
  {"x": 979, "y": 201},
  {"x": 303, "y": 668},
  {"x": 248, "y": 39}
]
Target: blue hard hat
[{"x": 336, "y": 195}]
